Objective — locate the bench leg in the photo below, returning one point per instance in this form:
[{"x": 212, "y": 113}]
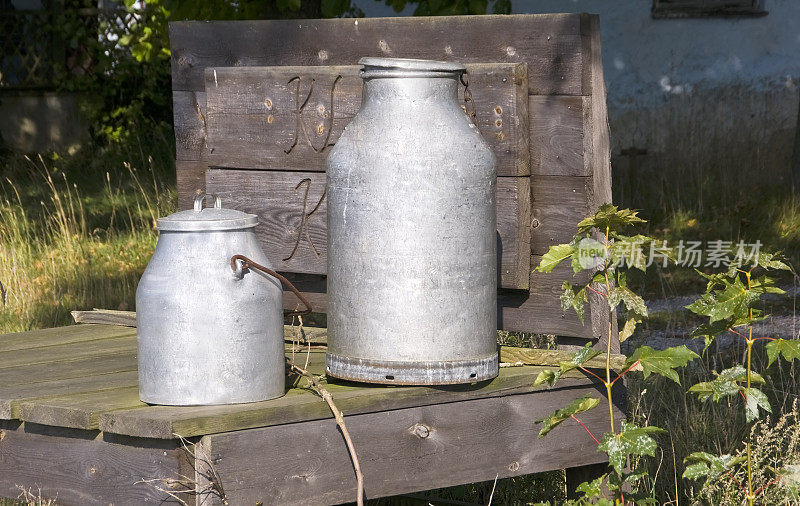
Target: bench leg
[{"x": 578, "y": 475}]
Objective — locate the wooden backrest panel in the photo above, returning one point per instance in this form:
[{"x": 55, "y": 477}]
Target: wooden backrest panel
[
  {"x": 551, "y": 138},
  {"x": 288, "y": 118}
]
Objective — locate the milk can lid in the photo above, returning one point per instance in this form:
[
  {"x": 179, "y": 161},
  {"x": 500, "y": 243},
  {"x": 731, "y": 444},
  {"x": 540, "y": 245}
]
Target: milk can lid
[
  {"x": 207, "y": 219},
  {"x": 412, "y": 64}
]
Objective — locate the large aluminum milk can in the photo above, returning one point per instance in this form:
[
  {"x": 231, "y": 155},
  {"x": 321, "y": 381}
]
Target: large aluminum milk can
[
  {"x": 210, "y": 330},
  {"x": 412, "y": 255}
]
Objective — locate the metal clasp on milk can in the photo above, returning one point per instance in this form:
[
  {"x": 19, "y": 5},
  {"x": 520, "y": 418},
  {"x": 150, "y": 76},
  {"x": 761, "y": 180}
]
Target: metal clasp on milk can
[{"x": 208, "y": 335}]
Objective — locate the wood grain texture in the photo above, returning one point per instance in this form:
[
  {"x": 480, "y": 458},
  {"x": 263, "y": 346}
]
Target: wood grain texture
[
  {"x": 80, "y": 468},
  {"x": 403, "y": 450},
  {"x": 513, "y": 219},
  {"x": 71, "y": 351},
  {"x": 557, "y": 133},
  {"x": 79, "y": 410},
  {"x": 292, "y": 212},
  {"x": 599, "y": 162},
  {"x": 61, "y": 335},
  {"x": 67, "y": 369},
  {"x": 288, "y": 118},
  {"x": 191, "y": 177},
  {"x": 190, "y": 119},
  {"x": 301, "y": 405},
  {"x": 558, "y": 203},
  {"x": 550, "y": 44},
  {"x": 105, "y": 317},
  {"x": 11, "y": 396}
]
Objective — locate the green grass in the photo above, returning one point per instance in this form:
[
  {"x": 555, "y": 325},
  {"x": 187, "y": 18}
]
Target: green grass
[
  {"x": 709, "y": 205},
  {"x": 77, "y": 232}
]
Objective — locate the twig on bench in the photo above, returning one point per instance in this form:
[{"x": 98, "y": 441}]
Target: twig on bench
[{"x": 337, "y": 414}]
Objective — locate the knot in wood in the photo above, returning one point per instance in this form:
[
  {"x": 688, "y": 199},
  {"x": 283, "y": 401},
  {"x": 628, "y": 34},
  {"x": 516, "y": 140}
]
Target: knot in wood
[{"x": 421, "y": 430}]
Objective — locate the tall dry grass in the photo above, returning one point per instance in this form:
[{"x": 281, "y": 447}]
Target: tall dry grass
[{"x": 74, "y": 249}]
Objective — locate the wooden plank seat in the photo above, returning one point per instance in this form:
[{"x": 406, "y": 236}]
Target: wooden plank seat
[{"x": 56, "y": 410}]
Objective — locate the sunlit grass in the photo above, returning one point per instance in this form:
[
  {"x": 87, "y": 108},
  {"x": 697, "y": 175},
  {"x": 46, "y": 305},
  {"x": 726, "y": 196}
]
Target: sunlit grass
[{"x": 64, "y": 248}]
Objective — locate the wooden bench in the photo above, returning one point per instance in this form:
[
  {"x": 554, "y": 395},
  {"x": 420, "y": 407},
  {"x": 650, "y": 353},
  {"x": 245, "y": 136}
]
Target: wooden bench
[{"x": 257, "y": 104}]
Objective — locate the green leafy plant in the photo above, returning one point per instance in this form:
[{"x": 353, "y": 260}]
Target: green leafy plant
[
  {"x": 601, "y": 252},
  {"x": 729, "y": 304}
]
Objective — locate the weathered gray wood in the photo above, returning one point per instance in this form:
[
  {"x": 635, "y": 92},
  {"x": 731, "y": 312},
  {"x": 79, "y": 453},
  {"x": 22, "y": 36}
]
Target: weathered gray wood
[
  {"x": 67, "y": 369},
  {"x": 558, "y": 203},
  {"x": 301, "y": 405},
  {"x": 292, "y": 211},
  {"x": 550, "y": 44},
  {"x": 513, "y": 226},
  {"x": 191, "y": 177},
  {"x": 72, "y": 351},
  {"x": 11, "y": 396},
  {"x": 79, "y": 410},
  {"x": 557, "y": 132},
  {"x": 189, "y": 111},
  {"x": 402, "y": 450},
  {"x": 60, "y": 335},
  {"x": 287, "y": 118},
  {"x": 105, "y": 317},
  {"x": 599, "y": 156},
  {"x": 79, "y": 468}
]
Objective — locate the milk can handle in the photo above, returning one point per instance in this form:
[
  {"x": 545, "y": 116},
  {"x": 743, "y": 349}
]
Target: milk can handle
[
  {"x": 201, "y": 196},
  {"x": 247, "y": 263}
]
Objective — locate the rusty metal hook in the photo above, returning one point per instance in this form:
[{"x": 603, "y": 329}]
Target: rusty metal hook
[{"x": 249, "y": 264}]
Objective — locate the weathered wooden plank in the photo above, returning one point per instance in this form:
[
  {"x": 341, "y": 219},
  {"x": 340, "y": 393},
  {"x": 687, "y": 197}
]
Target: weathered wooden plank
[
  {"x": 599, "y": 162},
  {"x": 513, "y": 227},
  {"x": 79, "y": 410},
  {"x": 60, "y": 335},
  {"x": 557, "y": 133},
  {"x": 540, "y": 310},
  {"x": 292, "y": 212},
  {"x": 558, "y": 203},
  {"x": 73, "y": 351},
  {"x": 191, "y": 177},
  {"x": 301, "y": 405},
  {"x": 11, "y": 396},
  {"x": 63, "y": 370},
  {"x": 287, "y": 118},
  {"x": 189, "y": 112},
  {"x": 403, "y": 450},
  {"x": 549, "y": 43},
  {"x": 105, "y": 317},
  {"x": 79, "y": 468},
  {"x": 528, "y": 356}
]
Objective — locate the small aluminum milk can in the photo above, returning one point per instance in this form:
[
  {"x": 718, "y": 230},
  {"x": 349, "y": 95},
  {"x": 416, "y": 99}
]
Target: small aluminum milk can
[
  {"x": 412, "y": 253},
  {"x": 210, "y": 329}
]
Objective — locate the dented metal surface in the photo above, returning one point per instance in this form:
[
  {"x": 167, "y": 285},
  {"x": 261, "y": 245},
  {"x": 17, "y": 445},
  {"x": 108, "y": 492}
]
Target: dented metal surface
[
  {"x": 207, "y": 335},
  {"x": 412, "y": 281}
]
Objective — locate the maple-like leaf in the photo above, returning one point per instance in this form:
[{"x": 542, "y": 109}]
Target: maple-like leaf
[
  {"x": 631, "y": 441},
  {"x": 662, "y": 362},
  {"x": 708, "y": 466},
  {"x": 572, "y": 299},
  {"x": 577, "y": 406},
  {"x": 610, "y": 217},
  {"x": 789, "y": 349},
  {"x": 554, "y": 256}
]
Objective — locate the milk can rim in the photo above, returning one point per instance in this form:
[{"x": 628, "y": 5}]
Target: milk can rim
[
  {"x": 411, "y": 64},
  {"x": 207, "y": 219}
]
